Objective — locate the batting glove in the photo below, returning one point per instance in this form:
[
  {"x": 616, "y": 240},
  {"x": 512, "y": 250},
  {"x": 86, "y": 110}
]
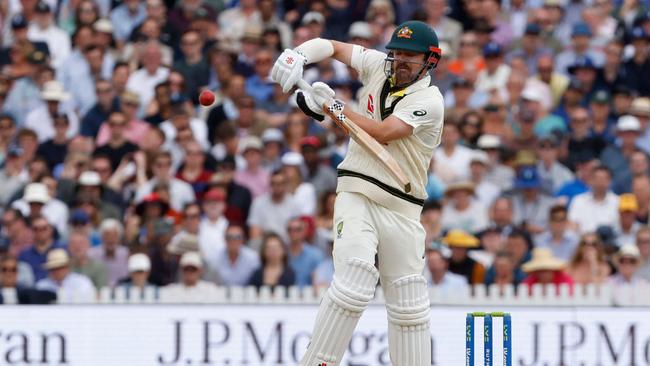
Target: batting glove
[
  {"x": 308, "y": 106},
  {"x": 322, "y": 93},
  {"x": 287, "y": 69}
]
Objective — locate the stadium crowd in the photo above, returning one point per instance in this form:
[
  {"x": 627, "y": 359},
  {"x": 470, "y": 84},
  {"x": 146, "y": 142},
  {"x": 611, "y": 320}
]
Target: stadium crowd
[{"x": 113, "y": 175}]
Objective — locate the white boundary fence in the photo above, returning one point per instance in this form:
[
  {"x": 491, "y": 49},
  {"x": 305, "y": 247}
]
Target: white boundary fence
[{"x": 589, "y": 295}]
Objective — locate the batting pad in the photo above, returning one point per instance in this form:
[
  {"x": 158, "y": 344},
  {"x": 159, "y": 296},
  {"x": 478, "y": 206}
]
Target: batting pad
[
  {"x": 351, "y": 290},
  {"x": 407, "y": 305}
]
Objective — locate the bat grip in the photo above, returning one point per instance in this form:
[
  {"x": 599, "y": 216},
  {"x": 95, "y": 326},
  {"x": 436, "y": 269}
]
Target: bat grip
[{"x": 304, "y": 85}]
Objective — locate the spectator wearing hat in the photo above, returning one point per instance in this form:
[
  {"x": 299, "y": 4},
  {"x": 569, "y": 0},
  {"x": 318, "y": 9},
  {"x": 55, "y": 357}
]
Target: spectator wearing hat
[
  {"x": 580, "y": 47},
  {"x": 41, "y": 120},
  {"x": 640, "y": 109},
  {"x": 144, "y": 80},
  {"x": 459, "y": 262},
  {"x": 627, "y": 225},
  {"x": 642, "y": 241},
  {"x": 635, "y": 73},
  {"x": 89, "y": 185},
  {"x": 112, "y": 252},
  {"x": 558, "y": 237},
  {"x": 182, "y": 243},
  {"x": 496, "y": 72},
  {"x": 463, "y": 97},
  {"x": 253, "y": 176},
  {"x": 236, "y": 262},
  {"x": 572, "y": 98},
  {"x": 271, "y": 212},
  {"x": 80, "y": 222},
  {"x": 556, "y": 81},
  {"x": 552, "y": 174},
  {"x": 19, "y": 25},
  {"x": 79, "y": 245},
  {"x": 598, "y": 206},
  {"x": 537, "y": 102},
  {"x": 191, "y": 286},
  {"x": 13, "y": 176},
  {"x": 134, "y": 130},
  {"x": 193, "y": 170},
  {"x": 361, "y": 33},
  {"x": 499, "y": 174},
  {"x": 486, "y": 191},
  {"x": 181, "y": 192},
  {"x": 452, "y": 159},
  {"x": 303, "y": 191},
  {"x": 213, "y": 225},
  {"x": 321, "y": 176},
  {"x": 627, "y": 261},
  {"x": 36, "y": 254},
  {"x": 273, "y": 148},
  {"x": 74, "y": 287},
  {"x": 617, "y": 155},
  {"x": 193, "y": 64},
  {"x": 437, "y": 272},
  {"x": 139, "y": 270},
  {"x": 530, "y": 205},
  {"x": 546, "y": 269},
  {"x": 43, "y": 28},
  {"x": 585, "y": 70},
  {"x": 126, "y": 17},
  {"x": 529, "y": 48},
  {"x": 603, "y": 123},
  {"x": 37, "y": 201}
]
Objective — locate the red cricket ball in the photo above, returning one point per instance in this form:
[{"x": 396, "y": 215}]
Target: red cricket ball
[{"x": 206, "y": 98}]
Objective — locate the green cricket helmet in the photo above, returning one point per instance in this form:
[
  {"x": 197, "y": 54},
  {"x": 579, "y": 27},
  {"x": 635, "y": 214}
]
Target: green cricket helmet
[{"x": 414, "y": 36}]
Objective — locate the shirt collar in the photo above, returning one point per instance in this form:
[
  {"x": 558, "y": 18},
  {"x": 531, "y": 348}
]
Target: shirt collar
[{"x": 420, "y": 84}]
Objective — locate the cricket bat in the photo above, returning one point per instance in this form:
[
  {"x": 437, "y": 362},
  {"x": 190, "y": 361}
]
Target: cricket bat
[{"x": 366, "y": 141}]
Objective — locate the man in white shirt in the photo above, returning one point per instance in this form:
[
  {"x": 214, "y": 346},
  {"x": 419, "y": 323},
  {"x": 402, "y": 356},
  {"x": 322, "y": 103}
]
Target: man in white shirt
[
  {"x": 496, "y": 72},
  {"x": 598, "y": 206},
  {"x": 273, "y": 210},
  {"x": 143, "y": 81},
  {"x": 213, "y": 225},
  {"x": 180, "y": 192},
  {"x": 444, "y": 281},
  {"x": 191, "y": 288},
  {"x": 44, "y": 29},
  {"x": 74, "y": 287},
  {"x": 452, "y": 158},
  {"x": 180, "y": 119},
  {"x": 236, "y": 262},
  {"x": 41, "y": 120}
]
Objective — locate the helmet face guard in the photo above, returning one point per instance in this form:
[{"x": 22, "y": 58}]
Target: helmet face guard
[{"x": 430, "y": 62}]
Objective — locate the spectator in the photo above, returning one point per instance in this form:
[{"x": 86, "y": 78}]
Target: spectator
[
  {"x": 259, "y": 85},
  {"x": 144, "y": 80},
  {"x": 556, "y": 81},
  {"x": 37, "y": 201},
  {"x": 71, "y": 287},
  {"x": 236, "y": 262},
  {"x": 253, "y": 176},
  {"x": 36, "y": 254},
  {"x": 303, "y": 257},
  {"x": 545, "y": 269},
  {"x": 627, "y": 225},
  {"x": 181, "y": 193},
  {"x": 486, "y": 191},
  {"x": 112, "y": 252},
  {"x": 191, "y": 286},
  {"x": 212, "y": 228},
  {"x": 134, "y": 130},
  {"x": 579, "y": 48},
  {"x": 16, "y": 231},
  {"x": 41, "y": 120},
  {"x": 640, "y": 108},
  {"x": 617, "y": 156},
  {"x": 79, "y": 245},
  {"x": 504, "y": 271},
  {"x": 321, "y": 176},
  {"x": 193, "y": 170},
  {"x": 452, "y": 159},
  {"x": 274, "y": 269},
  {"x": 43, "y": 28},
  {"x": 643, "y": 243},
  {"x": 126, "y": 17},
  {"x": 496, "y": 73},
  {"x": 460, "y": 263},
  {"x": 559, "y": 238},
  {"x": 438, "y": 256},
  {"x": 552, "y": 174},
  {"x": 193, "y": 65},
  {"x": 117, "y": 145},
  {"x": 627, "y": 260},
  {"x": 584, "y": 168},
  {"x": 597, "y": 207},
  {"x": 13, "y": 276},
  {"x": 55, "y": 149},
  {"x": 271, "y": 212},
  {"x": 530, "y": 205},
  {"x": 499, "y": 174},
  {"x": 589, "y": 265},
  {"x": 463, "y": 211},
  {"x": 635, "y": 72},
  {"x": 139, "y": 269},
  {"x": 582, "y": 140}
]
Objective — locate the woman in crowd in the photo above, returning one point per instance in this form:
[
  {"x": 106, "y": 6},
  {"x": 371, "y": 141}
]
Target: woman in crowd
[
  {"x": 275, "y": 270},
  {"x": 588, "y": 264}
]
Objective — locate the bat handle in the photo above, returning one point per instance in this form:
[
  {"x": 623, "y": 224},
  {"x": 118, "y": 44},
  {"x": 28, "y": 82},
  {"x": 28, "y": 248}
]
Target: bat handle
[{"x": 304, "y": 85}]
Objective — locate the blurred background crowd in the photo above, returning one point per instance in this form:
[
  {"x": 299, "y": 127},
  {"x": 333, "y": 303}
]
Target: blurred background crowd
[{"x": 113, "y": 175}]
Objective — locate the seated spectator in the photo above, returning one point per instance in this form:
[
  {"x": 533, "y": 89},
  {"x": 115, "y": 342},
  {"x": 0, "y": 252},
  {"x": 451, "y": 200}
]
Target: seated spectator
[
  {"x": 324, "y": 273},
  {"x": 36, "y": 254},
  {"x": 213, "y": 225},
  {"x": 321, "y": 176},
  {"x": 191, "y": 285},
  {"x": 452, "y": 158},
  {"x": 552, "y": 174},
  {"x": 11, "y": 272},
  {"x": 617, "y": 156},
  {"x": 164, "y": 265},
  {"x": 584, "y": 169},
  {"x": 303, "y": 191},
  {"x": 193, "y": 170},
  {"x": 505, "y": 272},
  {"x": 181, "y": 192},
  {"x": 437, "y": 257},
  {"x": 486, "y": 191},
  {"x": 597, "y": 207},
  {"x": 253, "y": 176},
  {"x": 236, "y": 262},
  {"x": 13, "y": 175},
  {"x": 134, "y": 129},
  {"x": 117, "y": 145},
  {"x": 643, "y": 243},
  {"x": 16, "y": 231},
  {"x": 530, "y": 205},
  {"x": 627, "y": 224},
  {"x": 139, "y": 270},
  {"x": 460, "y": 263},
  {"x": 271, "y": 211},
  {"x": 79, "y": 245},
  {"x": 545, "y": 269},
  {"x": 303, "y": 257},
  {"x": 463, "y": 211},
  {"x": 55, "y": 149},
  {"x": 627, "y": 260},
  {"x": 559, "y": 238},
  {"x": 589, "y": 264},
  {"x": 112, "y": 252},
  {"x": 274, "y": 269},
  {"x": 37, "y": 201},
  {"x": 74, "y": 287}
]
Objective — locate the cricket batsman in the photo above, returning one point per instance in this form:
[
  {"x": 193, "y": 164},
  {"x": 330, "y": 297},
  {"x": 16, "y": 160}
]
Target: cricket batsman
[{"x": 373, "y": 216}]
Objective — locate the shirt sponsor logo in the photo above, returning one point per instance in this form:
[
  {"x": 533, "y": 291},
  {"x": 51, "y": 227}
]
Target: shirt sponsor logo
[
  {"x": 419, "y": 113},
  {"x": 371, "y": 104}
]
